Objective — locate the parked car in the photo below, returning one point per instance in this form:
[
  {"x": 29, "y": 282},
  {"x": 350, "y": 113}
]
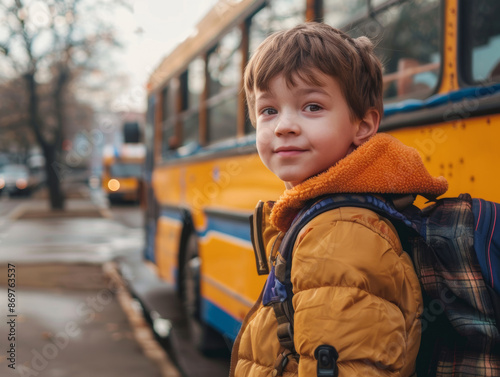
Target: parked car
[{"x": 15, "y": 179}]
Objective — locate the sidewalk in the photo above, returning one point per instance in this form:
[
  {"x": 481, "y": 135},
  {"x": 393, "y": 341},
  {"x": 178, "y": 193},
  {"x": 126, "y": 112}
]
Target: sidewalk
[{"x": 69, "y": 312}]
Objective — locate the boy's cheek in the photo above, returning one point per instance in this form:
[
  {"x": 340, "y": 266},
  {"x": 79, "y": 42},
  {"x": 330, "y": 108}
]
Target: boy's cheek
[{"x": 264, "y": 137}]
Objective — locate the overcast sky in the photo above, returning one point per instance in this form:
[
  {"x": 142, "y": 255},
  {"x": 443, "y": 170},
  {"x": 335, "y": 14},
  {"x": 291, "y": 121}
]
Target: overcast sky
[{"x": 149, "y": 32}]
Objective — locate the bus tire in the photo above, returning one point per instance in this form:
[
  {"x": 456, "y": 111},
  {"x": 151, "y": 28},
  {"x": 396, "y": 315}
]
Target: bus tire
[{"x": 202, "y": 336}]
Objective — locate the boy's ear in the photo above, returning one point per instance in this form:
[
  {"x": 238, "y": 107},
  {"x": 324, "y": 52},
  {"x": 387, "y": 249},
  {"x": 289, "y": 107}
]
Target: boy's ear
[{"x": 367, "y": 127}]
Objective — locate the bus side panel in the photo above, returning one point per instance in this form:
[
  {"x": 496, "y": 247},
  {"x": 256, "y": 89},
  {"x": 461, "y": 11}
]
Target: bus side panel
[
  {"x": 234, "y": 184},
  {"x": 167, "y": 244},
  {"x": 230, "y": 284},
  {"x": 167, "y": 185},
  {"x": 167, "y": 191},
  {"x": 465, "y": 152}
]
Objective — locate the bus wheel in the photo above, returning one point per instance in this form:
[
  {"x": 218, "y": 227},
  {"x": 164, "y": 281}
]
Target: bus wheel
[{"x": 204, "y": 337}]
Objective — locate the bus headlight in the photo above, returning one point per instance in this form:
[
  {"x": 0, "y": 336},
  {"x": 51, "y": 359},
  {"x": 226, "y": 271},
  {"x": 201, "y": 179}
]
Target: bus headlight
[{"x": 113, "y": 184}]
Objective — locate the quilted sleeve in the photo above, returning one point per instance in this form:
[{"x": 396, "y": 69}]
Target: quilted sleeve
[{"x": 355, "y": 289}]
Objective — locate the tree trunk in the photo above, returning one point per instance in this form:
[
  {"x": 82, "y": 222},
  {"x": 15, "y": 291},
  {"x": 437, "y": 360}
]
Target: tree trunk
[{"x": 54, "y": 172}]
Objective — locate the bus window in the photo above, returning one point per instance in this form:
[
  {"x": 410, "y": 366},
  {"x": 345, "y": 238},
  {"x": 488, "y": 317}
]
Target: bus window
[
  {"x": 122, "y": 170},
  {"x": 337, "y": 12},
  {"x": 277, "y": 15},
  {"x": 224, "y": 74},
  {"x": 192, "y": 85},
  {"x": 376, "y": 3},
  {"x": 169, "y": 117},
  {"x": 407, "y": 39},
  {"x": 481, "y": 41}
]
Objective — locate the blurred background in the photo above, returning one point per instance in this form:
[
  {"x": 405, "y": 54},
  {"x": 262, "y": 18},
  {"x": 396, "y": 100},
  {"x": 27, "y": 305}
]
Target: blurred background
[{"x": 72, "y": 73}]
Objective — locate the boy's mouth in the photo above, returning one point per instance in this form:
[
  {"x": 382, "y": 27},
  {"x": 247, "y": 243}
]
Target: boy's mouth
[{"x": 288, "y": 151}]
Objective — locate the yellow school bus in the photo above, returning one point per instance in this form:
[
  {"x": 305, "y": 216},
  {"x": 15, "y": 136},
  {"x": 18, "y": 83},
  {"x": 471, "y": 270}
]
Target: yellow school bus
[
  {"x": 441, "y": 96},
  {"x": 122, "y": 171}
]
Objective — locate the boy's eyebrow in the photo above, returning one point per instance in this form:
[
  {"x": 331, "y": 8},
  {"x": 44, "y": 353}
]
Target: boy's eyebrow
[
  {"x": 264, "y": 95},
  {"x": 309, "y": 90},
  {"x": 315, "y": 89}
]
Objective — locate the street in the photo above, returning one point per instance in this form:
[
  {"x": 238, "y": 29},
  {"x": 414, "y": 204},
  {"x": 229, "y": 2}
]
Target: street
[{"x": 66, "y": 307}]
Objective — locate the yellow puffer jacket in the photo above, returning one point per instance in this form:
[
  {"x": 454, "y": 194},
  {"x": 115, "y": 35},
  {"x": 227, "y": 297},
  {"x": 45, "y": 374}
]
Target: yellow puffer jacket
[{"x": 354, "y": 287}]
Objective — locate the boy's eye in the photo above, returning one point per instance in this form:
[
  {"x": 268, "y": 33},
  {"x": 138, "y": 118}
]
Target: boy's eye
[
  {"x": 269, "y": 111},
  {"x": 313, "y": 107}
]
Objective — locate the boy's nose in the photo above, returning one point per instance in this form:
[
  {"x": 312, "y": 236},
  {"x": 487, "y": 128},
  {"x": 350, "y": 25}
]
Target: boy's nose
[{"x": 286, "y": 125}]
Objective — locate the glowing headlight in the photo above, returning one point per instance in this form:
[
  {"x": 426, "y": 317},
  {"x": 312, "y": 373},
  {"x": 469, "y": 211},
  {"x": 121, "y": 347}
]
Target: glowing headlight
[
  {"x": 21, "y": 183},
  {"x": 2, "y": 183},
  {"x": 113, "y": 184}
]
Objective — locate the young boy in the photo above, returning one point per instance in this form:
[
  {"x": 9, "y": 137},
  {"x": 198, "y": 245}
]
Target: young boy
[{"x": 315, "y": 97}]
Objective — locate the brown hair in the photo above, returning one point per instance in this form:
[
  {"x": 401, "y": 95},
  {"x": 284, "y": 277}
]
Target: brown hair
[{"x": 297, "y": 52}]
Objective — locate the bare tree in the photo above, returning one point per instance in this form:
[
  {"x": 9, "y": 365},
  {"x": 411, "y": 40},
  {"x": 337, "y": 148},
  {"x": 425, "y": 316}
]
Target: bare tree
[
  {"x": 50, "y": 44},
  {"x": 14, "y": 133}
]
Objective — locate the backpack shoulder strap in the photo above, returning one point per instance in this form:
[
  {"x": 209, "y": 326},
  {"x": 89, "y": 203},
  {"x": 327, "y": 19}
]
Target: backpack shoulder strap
[
  {"x": 487, "y": 247},
  {"x": 487, "y": 240},
  {"x": 329, "y": 203}
]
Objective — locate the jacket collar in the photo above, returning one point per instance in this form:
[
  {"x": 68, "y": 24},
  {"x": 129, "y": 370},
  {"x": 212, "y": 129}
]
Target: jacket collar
[{"x": 382, "y": 165}]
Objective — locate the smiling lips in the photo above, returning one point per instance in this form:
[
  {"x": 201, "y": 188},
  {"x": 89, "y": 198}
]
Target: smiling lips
[{"x": 288, "y": 151}]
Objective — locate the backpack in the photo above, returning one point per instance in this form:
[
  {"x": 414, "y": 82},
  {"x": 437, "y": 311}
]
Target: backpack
[{"x": 455, "y": 247}]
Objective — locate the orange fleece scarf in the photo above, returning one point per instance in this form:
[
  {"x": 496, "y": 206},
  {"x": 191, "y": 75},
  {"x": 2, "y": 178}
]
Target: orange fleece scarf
[{"x": 382, "y": 165}]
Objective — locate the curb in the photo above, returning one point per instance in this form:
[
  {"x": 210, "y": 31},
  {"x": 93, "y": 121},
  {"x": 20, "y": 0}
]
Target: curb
[
  {"x": 105, "y": 212},
  {"x": 13, "y": 215},
  {"x": 168, "y": 322},
  {"x": 24, "y": 209},
  {"x": 142, "y": 331},
  {"x": 17, "y": 212}
]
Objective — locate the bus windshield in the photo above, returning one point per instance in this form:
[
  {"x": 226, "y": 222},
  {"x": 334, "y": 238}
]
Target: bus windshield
[{"x": 126, "y": 170}]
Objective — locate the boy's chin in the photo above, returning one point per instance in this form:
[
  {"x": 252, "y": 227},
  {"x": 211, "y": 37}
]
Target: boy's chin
[{"x": 292, "y": 184}]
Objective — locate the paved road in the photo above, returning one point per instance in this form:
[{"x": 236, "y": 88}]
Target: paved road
[{"x": 130, "y": 215}]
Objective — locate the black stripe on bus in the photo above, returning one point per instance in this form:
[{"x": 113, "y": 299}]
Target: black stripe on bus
[
  {"x": 228, "y": 215},
  {"x": 457, "y": 111}
]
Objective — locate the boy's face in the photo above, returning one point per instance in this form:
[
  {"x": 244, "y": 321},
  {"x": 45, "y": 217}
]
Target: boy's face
[{"x": 303, "y": 130}]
